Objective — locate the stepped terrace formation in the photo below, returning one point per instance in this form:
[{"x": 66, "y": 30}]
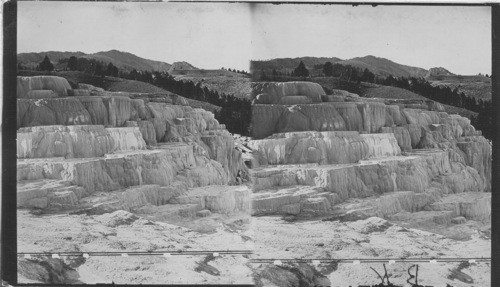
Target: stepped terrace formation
[
  {"x": 114, "y": 157},
  {"x": 315, "y": 157},
  {"x": 346, "y": 164}
]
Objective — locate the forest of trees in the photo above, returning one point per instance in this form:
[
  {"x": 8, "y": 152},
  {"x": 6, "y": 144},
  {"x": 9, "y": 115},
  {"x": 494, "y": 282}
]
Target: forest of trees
[{"x": 343, "y": 72}]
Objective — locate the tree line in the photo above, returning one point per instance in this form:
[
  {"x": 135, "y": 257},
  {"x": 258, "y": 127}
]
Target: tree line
[
  {"x": 235, "y": 112},
  {"x": 343, "y": 72},
  {"x": 243, "y": 72}
]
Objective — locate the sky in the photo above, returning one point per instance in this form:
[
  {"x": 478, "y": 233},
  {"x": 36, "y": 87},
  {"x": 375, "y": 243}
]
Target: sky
[{"x": 214, "y": 35}]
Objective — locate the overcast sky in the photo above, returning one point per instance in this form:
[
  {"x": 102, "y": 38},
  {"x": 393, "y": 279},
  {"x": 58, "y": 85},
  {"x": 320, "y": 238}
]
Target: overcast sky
[{"x": 215, "y": 35}]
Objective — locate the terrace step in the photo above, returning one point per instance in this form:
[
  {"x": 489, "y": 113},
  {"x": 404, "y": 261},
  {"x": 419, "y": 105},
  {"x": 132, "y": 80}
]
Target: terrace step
[
  {"x": 323, "y": 147},
  {"x": 162, "y": 166},
  {"x": 78, "y": 141},
  {"x": 48, "y": 193},
  {"x": 293, "y": 200},
  {"x": 217, "y": 198},
  {"x": 471, "y": 205},
  {"x": 384, "y": 205}
]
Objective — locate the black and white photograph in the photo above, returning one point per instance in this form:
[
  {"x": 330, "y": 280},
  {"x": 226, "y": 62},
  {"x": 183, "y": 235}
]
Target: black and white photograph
[{"x": 253, "y": 144}]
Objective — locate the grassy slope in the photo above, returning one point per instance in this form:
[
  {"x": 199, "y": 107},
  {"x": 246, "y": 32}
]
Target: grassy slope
[
  {"x": 398, "y": 93},
  {"x": 384, "y": 67},
  {"x": 475, "y": 86},
  {"x": 220, "y": 80}
]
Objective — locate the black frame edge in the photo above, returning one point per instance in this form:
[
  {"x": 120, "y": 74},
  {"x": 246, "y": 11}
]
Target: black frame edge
[
  {"x": 495, "y": 184},
  {"x": 8, "y": 241}
]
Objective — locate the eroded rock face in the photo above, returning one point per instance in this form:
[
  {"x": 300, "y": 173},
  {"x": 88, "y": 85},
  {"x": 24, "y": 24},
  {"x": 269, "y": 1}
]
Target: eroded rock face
[
  {"x": 364, "y": 178},
  {"x": 286, "y": 93},
  {"x": 159, "y": 117},
  {"x": 218, "y": 199},
  {"x": 124, "y": 169},
  {"x": 76, "y": 141},
  {"x": 402, "y": 136},
  {"x": 323, "y": 147},
  {"x": 42, "y": 87},
  {"x": 293, "y": 187},
  {"x": 471, "y": 205},
  {"x": 48, "y": 193},
  {"x": 332, "y": 116},
  {"x": 414, "y": 124}
]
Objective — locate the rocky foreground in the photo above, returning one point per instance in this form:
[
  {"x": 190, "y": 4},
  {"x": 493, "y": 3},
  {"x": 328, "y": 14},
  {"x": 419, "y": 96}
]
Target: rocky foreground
[{"x": 330, "y": 177}]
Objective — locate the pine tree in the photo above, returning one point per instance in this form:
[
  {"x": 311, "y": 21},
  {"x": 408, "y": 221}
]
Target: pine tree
[
  {"x": 72, "y": 63},
  {"x": 328, "y": 69},
  {"x": 300, "y": 71},
  {"x": 46, "y": 65}
]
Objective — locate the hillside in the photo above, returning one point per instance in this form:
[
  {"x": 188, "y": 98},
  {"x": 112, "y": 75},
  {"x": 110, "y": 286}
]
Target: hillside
[
  {"x": 222, "y": 81},
  {"x": 123, "y": 60},
  {"x": 478, "y": 87},
  {"x": 122, "y": 85},
  {"x": 379, "y": 66},
  {"x": 384, "y": 67},
  {"x": 438, "y": 72},
  {"x": 182, "y": 66},
  {"x": 128, "y": 61},
  {"x": 386, "y": 92}
]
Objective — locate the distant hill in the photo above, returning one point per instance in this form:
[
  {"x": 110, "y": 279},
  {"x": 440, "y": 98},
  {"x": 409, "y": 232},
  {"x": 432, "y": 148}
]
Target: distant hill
[
  {"x": 385, "y": 67},
  {"x": 123, "y": 60},
  {"x": 222, "y": 81},
  {"x": 181, "y": 66},
  {"x": 128, "y": 61},
  {"x": 439, "y": 71},
  {"x": 290, "y": 63},
  {"x": 378, "y": 66},
  {"x": 29, "y": 59}
]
